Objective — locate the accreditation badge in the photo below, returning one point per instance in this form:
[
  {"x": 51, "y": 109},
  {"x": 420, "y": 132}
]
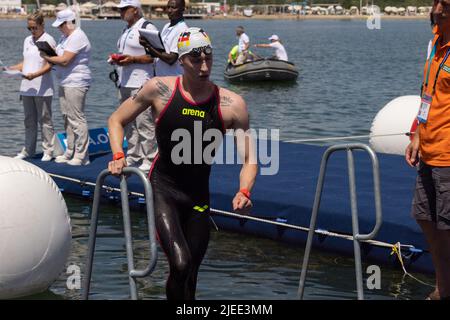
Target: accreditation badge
[{"x": 424, "y": 108}]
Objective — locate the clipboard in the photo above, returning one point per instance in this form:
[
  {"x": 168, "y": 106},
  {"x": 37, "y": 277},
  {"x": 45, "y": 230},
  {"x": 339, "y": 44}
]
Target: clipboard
[
  {"x": 46, "y": 48},
  {"x": 153, "y": 37}
]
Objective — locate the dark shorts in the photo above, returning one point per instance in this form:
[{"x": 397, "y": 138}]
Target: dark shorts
[{"x": 432, "y": 195}]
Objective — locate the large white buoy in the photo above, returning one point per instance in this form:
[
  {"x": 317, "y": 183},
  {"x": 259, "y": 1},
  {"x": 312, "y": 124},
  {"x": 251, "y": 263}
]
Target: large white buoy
[
  {"x": 35, "y": 231},
  {"x": 387, "y": 134}
]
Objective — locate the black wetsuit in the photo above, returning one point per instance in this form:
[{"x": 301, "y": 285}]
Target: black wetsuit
[{"x": 181, "y": 190}]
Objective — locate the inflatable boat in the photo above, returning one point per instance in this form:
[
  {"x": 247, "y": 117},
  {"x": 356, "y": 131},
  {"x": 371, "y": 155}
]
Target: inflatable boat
[{"x": 262, "y": 70}]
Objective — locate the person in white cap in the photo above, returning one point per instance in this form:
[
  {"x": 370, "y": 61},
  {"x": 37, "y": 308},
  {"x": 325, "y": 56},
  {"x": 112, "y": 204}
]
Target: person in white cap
[
  {"x": 36, "y": 91},
  {"x": 275, "y": 43},
  {"x": 135, "y": 68},
  {"x": 189, "y": 107},
  {"x": 74, "y": 78},
  {"x": 167, "y": 63}
]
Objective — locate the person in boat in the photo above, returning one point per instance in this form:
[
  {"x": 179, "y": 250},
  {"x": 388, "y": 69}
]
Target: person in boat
[
  {"x": 36, "y": 91},
  {"x": 167, "y": 62},
  {"x": 232, "y": 55},
  {"x": 429, "y": 151},
  {"x": 190, "y": 103},
  {"x": 74, "y": 79},
  {"x": 135, "y": 68},
  {"x": 275, "y": 43},
  {"x": 243, "y": 45}
]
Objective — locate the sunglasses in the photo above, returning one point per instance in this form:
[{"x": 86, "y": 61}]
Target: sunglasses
[
  {"x": 174, "y": 7},
  {"x": 197, "y": 52},
  {"x": 32, "y": 28}
]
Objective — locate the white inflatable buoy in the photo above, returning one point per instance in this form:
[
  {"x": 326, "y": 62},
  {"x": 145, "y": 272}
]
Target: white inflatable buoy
[
  {"x": 387, "y": 134},
  {"x": 35, "y": 231}
]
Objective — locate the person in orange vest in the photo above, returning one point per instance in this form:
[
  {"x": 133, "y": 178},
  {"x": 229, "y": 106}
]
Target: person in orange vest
[{"x": 429, "y": 151}]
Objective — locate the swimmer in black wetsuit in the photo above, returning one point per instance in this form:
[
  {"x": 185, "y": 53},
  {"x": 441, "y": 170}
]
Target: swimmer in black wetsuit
[{"x": 186, "y": 108}]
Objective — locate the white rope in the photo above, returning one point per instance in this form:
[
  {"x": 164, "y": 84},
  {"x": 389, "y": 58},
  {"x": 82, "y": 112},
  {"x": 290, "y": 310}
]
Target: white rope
[
  {"x": 348, "y": 137},
  {"x": 252, "y": 218},
  {"x": 317, "y": 231}
]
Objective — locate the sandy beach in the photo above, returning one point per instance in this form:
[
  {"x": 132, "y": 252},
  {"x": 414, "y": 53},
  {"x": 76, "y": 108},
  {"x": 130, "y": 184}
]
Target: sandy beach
[{"x": 264, "y": 17}]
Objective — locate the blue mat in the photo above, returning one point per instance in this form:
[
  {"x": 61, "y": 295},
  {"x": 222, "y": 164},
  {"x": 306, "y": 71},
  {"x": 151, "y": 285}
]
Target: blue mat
[{"x": 289, "y": 195}]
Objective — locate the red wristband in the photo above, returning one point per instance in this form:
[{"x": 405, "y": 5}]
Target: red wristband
[
  {"x": 245, "y": 192},
  {"x": 118, "y": 156}
]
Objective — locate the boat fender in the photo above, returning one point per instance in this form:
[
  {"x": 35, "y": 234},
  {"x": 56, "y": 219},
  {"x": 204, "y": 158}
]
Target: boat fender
[
  {"x": 391, "y": 128},
  {"x": 35, "y": 232}
]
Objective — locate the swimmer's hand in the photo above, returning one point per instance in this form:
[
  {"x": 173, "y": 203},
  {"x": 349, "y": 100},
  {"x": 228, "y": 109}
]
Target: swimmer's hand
[
  {"x": 116, "y": 166},
  {"x": 242, "y": 204}
]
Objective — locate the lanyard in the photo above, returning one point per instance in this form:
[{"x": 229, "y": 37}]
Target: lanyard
[
  {"x": 430, "y": 60},
  {"x": 123, "y": 44},
  {"x": 125, "y": 40}
]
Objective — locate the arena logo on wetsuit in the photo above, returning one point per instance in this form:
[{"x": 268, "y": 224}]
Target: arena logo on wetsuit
[
  {"x": 264, "y": 150},
  {"x": 193, "y": 112}
]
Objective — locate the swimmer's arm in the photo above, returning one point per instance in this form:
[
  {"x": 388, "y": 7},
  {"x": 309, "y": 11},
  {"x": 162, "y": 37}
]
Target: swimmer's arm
[
  {"x": 127, "y": 112},
  {"x": 246, "y": 150}
]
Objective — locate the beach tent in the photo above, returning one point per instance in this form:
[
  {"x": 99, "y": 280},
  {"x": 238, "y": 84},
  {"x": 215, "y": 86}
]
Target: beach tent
[
  {"x": 88, "y": 5},
  {"x": 47, "y": 9},
  {"x": 354, "y": 10},
  {"x": 61, "y": 6},
  {"x": 109, "y": 4},
  {"x": 411, "y": 10}
]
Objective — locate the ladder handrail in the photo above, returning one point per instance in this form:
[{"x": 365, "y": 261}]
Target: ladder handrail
[
  {"x": 132, "y": 272},
  {"x": 355, "y": 225}
]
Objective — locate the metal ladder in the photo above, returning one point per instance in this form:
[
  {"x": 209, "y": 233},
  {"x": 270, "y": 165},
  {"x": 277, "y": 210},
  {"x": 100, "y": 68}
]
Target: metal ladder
[
  {"x": 132, "y": 272},
  {"x": 357, "y": 237}
]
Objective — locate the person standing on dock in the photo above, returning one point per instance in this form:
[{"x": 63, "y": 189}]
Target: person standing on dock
[
  {"x": 193, "y": 105},
  {"x": 36, "y": 91},
  {"x": 167, "y": 63},
  {"x": 429, "y": 151},
  {"x": 74, "y": 78},
  {"x": 135, "y": 68}
]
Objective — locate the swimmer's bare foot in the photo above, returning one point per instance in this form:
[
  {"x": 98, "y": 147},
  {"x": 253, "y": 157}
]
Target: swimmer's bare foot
[{"x": 434, "y": 295}]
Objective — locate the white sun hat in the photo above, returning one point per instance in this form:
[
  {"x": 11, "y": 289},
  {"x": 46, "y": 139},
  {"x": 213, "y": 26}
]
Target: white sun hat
[
  {"x": 274, "y": 37},
  {"x": 129, "y": 3},
  {"x": 63, "y": 16}
]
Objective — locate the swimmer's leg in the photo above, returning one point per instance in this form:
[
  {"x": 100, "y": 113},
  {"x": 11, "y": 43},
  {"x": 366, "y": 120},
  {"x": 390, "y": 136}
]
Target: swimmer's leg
[
  {"x": 174, "y": 244},
  {"x": 197, "y": 231}
]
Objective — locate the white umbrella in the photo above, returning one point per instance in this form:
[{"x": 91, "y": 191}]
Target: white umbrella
[
  {"x": 88, "y": 5},
  {"x": 109, "y": 4}
]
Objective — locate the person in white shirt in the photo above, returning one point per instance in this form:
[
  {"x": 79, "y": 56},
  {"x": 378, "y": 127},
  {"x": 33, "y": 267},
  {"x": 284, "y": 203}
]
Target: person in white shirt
[
  {"x": 74, "y": 78},
  {"x": 36, "y": 91},
  {"x": 135, "y": 68},
  {"x": 167, "y": 63},
  {"x": 244, "y": 44},
  {"x": 280, "y": 51}
]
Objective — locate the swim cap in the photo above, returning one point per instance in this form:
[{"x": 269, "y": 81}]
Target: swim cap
[{"x": 193, "y": 38}]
